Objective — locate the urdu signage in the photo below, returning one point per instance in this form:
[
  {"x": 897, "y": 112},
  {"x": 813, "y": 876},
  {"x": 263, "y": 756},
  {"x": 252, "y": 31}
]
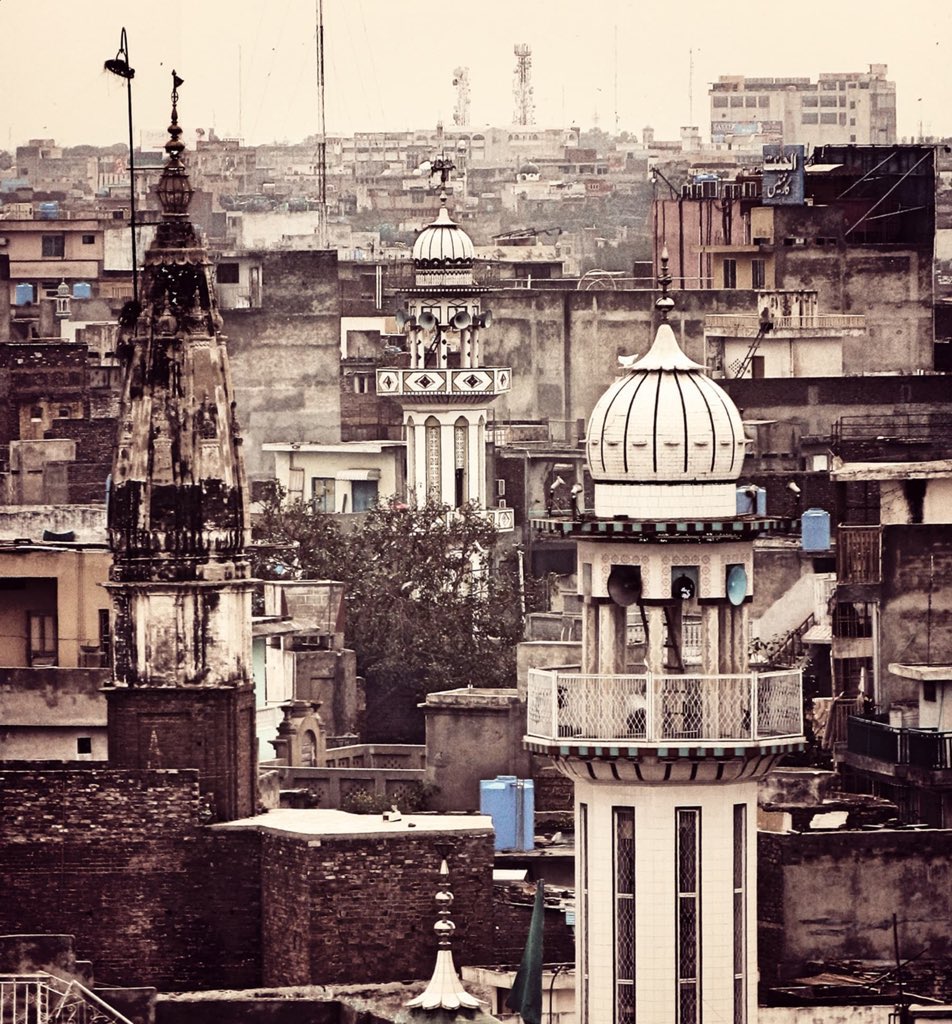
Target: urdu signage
[{"x": 783, "y": 175}]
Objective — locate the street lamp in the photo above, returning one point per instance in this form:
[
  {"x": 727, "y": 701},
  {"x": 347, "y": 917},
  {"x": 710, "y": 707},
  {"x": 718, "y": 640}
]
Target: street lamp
[{"x": 119, "y": 66}]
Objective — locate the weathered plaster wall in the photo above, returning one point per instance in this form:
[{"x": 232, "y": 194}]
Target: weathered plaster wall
[
  {"x": 285, "y": 356},
  {"x": 831, "y": 896}
]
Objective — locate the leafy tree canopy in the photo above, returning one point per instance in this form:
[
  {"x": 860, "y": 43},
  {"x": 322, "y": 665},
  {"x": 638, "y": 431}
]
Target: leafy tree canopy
[{"x": 430, "y": 605}]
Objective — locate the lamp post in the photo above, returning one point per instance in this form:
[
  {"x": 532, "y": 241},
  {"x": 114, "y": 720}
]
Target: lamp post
[{"x": 119, "y": 66}]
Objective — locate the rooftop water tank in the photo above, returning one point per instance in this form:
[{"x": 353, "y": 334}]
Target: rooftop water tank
[
  {"x": 815, "y": 530},
  {"x": 82, "y": 290},
  {"x": 510, "y": 802}
]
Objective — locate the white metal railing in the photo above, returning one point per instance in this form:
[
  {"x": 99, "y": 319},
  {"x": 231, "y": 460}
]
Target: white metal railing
[
  {"x": 41, "y": 998},
  {"x": 661, "y": 709}
]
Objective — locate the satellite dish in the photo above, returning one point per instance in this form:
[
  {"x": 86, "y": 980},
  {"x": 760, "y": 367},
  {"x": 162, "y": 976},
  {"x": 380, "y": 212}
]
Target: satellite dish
[
  {"x": 485, "y": 319},
  {"x": 736, "y": 585},
  {"x": 427, "y": 321},
  {"x": 624, "y": 584},
  {"x": 461, "y": 321}
]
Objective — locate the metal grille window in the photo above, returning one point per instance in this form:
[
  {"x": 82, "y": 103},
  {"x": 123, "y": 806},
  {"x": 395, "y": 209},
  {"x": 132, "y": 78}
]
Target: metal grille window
[
  {"x": 730, "y": 273},
  {"x": 688, "y": 841},
  {"x": 582, "y": 909},
  {"x": 54, "y": 246},
  {"x": 411, "y": 455},
  {"x": 740, "y": 913},
  {"x": 434, "y": 463},
  {"x": 758, "y": 273},
  {"x": 624, "y": 915}
]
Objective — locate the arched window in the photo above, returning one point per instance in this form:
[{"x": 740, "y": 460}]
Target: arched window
[
  {"x": 309, "y": 749},
  {"x": 434, "y": 460},
  {"x": 461, "y": 463}
]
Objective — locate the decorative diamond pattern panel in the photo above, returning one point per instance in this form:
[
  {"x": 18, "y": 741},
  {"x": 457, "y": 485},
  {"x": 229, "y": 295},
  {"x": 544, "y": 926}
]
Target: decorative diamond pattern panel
[{"x": 442, "y": 381}]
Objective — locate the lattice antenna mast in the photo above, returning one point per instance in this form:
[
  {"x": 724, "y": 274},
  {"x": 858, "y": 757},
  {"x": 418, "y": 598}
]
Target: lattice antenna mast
[
  {"x": 461, "y": 82},
  {"x": 321, "y": 129},
  {"x": 522, "y": 85}
]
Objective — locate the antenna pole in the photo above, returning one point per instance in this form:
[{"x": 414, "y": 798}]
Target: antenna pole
[
  {"x": 691, "y": 86},
  {"x": 321, "y": 131}
]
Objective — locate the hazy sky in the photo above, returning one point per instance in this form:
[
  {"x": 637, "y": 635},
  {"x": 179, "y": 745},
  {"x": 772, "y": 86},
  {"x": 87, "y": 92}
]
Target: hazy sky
[{"x": 389, "y": 63}]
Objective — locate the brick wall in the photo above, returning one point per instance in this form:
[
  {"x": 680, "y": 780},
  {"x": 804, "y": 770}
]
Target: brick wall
[
  {"x": 511, "y": 916},
  {"x": 119, "y": 860},
  {"x": 361, "y": 908}
]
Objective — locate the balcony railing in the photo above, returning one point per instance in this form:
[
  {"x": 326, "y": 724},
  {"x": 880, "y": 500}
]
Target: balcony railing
[
  {"x": 465, "y": 381},
  {"x": 858, "y": 558},
  {"x": 662, "y": 709},
  {"x": 748, "y": 325},
  {"x": 921, "y": 748}
]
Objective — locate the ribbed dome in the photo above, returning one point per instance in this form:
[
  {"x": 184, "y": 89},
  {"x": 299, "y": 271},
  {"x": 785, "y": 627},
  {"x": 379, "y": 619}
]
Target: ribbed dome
[
  {"x": 665, "y": 422},
  {"x": 443, "y": 243}
]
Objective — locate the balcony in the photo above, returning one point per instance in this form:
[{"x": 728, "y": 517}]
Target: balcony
[
  {"x": 463, "y": 384},
  {"x": 748, "y": 325},
  {"x": 566, "y": 709},
  {"x": 858, "y": 555},
  {"x": 922, "y": 750}
]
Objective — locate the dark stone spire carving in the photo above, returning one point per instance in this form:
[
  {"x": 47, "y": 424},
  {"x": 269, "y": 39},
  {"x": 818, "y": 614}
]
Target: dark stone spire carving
[{"x": 177, "y": 507}]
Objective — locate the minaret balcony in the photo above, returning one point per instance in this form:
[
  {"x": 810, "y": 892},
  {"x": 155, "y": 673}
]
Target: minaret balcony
[
  {"x": 464, "y": 384},
  {"x": 503, "y": 519},
  {"x": 667, "y": 716}
]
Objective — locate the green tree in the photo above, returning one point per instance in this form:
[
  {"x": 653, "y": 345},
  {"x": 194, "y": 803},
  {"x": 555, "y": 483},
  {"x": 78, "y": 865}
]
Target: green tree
[{"x": 430, "y": 604}]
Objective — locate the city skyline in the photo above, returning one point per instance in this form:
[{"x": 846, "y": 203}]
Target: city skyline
[{"x": 389, "y": 66}]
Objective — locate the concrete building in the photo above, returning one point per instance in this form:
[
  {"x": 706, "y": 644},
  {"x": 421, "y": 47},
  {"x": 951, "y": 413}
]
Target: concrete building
[
  {"x": 851, "y": 107},
  {"x": 665, "y": 759}
]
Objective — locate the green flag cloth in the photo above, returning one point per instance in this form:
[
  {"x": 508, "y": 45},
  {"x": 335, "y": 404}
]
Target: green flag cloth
[{"x": 526, "y": 995}]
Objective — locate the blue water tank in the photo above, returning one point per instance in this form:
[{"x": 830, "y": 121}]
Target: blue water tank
[
  {"x": 82, "y": 290},
  {"x": 815, "y": 530},
  {"x": 48, "y": 211},
  {"x": 510, "y": 802},
  {"x": 23, "y": 294},
  {"x": 751, "y": 501}
]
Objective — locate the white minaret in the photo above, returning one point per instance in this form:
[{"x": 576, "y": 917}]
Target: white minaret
[
  {"x": 443, "y": 387},
  {"x": 665, "y": 738}
]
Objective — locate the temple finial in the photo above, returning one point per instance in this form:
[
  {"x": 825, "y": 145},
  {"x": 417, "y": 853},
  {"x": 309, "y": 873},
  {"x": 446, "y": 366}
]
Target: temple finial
[
  {"x": 664, "y": 303},
  {"x": 445, "y": 991}
]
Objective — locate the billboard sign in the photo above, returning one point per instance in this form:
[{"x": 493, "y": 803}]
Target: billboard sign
[{"x": 783, "y": 175}]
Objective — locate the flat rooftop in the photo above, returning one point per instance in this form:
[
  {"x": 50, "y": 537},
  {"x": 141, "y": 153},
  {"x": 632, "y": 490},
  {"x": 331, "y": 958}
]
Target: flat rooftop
[{"x": 319, "y": 822}]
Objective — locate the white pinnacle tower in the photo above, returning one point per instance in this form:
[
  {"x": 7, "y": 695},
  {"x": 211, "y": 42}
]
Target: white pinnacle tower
[{"x": 665, "y": 740}]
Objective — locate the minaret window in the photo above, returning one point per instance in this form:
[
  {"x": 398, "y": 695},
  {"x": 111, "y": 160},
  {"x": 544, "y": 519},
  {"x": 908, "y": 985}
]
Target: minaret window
[
  {"x": 688, "y": 842},
  {"x": 740, "y": 914},
  {"x": 434, "y": 459},
  {"x": 461, "y": 455},
  {"x": 624, "y": 915},
  {"x": 411, "y": 456}
]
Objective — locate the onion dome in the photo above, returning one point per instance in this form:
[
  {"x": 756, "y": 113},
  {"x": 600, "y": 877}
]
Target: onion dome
[
  {"x": 665, "y": 423},
  {"x": 529, "y": 169},
  {"x": 443, "y": 253}
]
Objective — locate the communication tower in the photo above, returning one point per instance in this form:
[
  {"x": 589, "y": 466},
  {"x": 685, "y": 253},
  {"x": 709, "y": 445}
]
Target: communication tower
[
  {"x": 524, "y": 112},
  {"x": 461, "y": 83}
]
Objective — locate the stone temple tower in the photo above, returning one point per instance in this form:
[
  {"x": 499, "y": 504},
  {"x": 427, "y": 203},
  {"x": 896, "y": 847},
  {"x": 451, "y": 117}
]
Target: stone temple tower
[
  {"x": 443, "y": 386},
  {"x": 181, "y": 695},
  {"x": 663, "y": 728}
]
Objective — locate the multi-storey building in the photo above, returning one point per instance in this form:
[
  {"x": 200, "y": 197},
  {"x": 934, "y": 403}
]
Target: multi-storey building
[{"x": 857, "y": 106}]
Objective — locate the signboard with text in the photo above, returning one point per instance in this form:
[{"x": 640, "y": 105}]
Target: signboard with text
[
  {"x": 726, "y": 131},
  {"x": 783, "y": 175}
]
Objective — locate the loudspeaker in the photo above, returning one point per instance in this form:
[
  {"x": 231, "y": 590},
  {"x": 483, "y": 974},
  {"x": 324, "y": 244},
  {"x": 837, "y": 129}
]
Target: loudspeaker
[
  {"x": 461, "y": 321},
  {"x": 624, "y": 584},
  {"x": 427, "y": 321},
  {"x": 736, "y": 584}
]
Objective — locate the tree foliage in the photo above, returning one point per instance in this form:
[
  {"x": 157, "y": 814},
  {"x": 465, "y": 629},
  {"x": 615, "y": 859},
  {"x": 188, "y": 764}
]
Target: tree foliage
[{"x": 430, "y": 604}]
